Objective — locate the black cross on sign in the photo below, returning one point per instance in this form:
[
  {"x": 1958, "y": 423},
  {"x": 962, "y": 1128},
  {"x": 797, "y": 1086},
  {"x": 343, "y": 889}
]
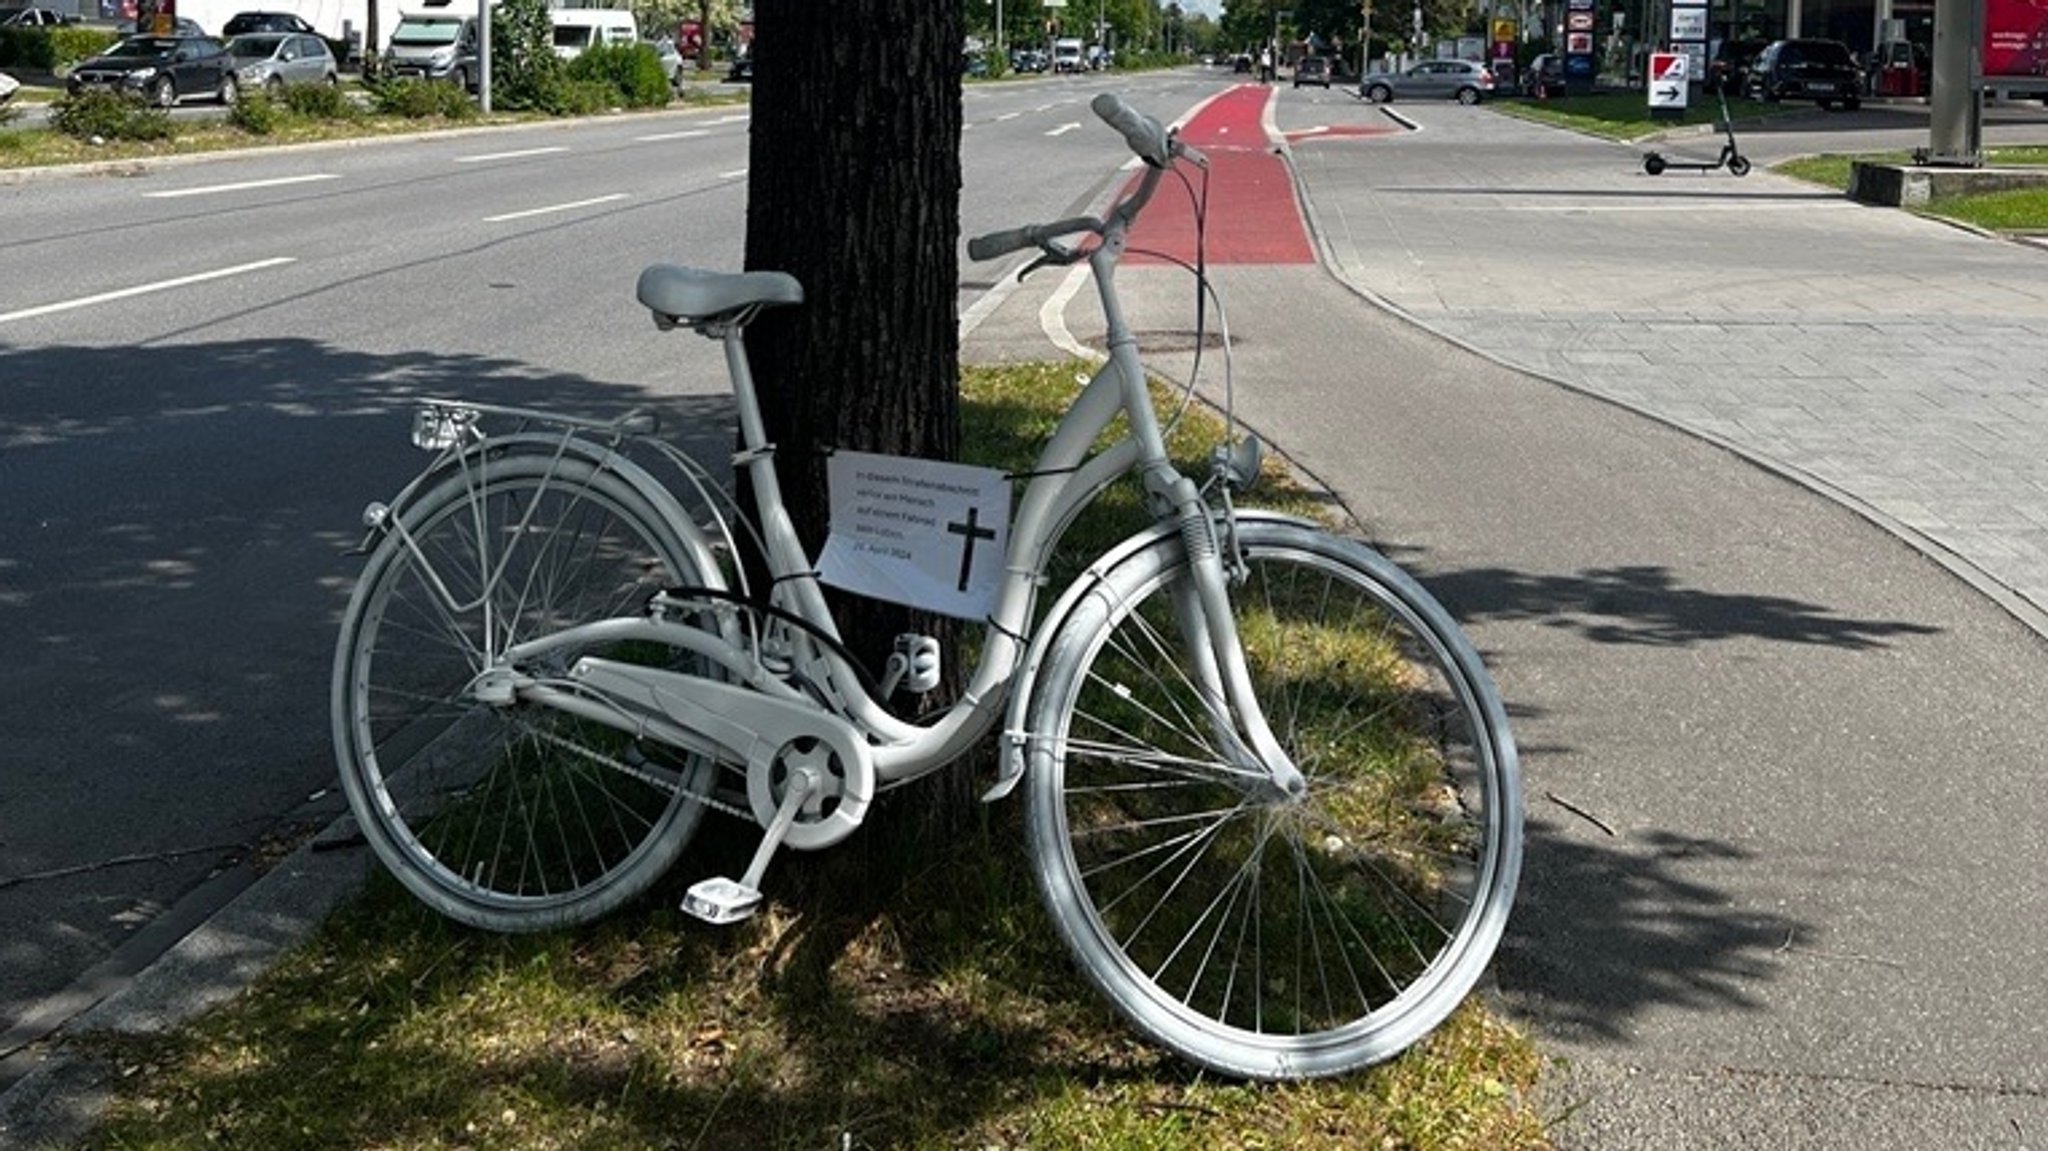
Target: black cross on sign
[{"x": 972, "y": 530}]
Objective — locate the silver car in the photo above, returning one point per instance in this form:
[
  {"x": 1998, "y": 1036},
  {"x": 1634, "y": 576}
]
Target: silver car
[
  {"x": 267, "y": 61},
  {"x": 1465, "y": 81}
]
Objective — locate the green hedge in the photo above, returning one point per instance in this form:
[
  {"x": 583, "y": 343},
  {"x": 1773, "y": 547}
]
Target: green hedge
[
  {"x": 632, "y": 71},
  {"x": 48, "y": 49}
]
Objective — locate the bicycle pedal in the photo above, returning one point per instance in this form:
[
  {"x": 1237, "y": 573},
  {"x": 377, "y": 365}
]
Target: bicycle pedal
[{"x": 721, "y": 901}]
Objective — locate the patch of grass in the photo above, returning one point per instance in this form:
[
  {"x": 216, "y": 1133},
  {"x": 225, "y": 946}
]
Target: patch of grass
[
  {"x": 941, "y": 1013},
  {"x": 2013, "y": 210},
  {"x": 1626, "y": 115},
  {"x": 2016, "y": 210}
]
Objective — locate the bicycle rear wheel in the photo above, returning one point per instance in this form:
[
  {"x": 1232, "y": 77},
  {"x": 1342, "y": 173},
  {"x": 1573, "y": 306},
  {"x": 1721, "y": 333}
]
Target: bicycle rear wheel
[
  {"x": 509, "y": 816},
  {"x": 1257, "y": 936}
]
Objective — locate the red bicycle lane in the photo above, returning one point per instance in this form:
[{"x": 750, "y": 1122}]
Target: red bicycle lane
[{"x": 1252, "y": 215}]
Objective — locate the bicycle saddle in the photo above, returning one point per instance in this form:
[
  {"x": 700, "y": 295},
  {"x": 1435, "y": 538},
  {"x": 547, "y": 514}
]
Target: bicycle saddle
[{"x": 677, "y": 294}]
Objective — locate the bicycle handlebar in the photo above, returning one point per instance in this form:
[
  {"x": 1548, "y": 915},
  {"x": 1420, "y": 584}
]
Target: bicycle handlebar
[
  {"x": 1030, "y": 236},
  {"x": 1141, "y": 132},
  {"x": 1146, "y": 137}
]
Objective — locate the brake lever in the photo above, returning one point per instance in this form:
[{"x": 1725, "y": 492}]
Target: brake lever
[{"x": 1053, "y": 255}]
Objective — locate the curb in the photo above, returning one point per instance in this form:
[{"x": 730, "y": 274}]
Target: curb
[{"x": 63, "y": 1097}]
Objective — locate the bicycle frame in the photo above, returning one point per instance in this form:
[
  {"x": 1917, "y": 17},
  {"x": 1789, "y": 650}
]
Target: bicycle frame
[{"x": 1065, "y": 479}]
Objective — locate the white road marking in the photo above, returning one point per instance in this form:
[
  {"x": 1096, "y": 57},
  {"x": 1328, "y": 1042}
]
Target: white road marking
[
  {"x": 735, "y": 174},
  {"x": 689, "y": 135},
  {"x": 144, "y": 289},
  {"x": 570, "y": 207},
  {"x": 244, "y": 186},
  {"x": 1063, "y": 129},
  {"x": 520, "y": 155}
]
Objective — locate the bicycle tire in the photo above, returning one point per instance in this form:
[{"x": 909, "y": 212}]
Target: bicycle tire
[
  {"x": 1375, "y": 903},
  {"x": 509, "y": 817}
]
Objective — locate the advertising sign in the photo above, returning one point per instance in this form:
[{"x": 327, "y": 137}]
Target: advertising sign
[
  {"x": 1668, "y": 71},
  {"x": 1578, "y": 43},
  {"x": 2016, "y": 38},
  {"x": 1578, "y": 21}
]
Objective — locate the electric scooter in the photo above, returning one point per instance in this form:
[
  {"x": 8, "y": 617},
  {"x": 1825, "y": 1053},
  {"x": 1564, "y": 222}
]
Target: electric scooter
[{"x": 1655, "y": 164}]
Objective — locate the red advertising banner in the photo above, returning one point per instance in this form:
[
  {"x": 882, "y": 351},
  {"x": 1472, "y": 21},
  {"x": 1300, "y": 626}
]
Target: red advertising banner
[{"x": 2015, "y": 38}]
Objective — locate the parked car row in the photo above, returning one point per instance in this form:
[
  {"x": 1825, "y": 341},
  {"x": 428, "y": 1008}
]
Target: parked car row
[{"x": 167, "y": 69}]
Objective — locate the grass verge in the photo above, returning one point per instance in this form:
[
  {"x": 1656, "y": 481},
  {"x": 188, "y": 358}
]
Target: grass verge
[
  {"x": 938, "y": 1014},
  {"x": 2016, "y": 210},
  {"x": 38, "y": 147}
]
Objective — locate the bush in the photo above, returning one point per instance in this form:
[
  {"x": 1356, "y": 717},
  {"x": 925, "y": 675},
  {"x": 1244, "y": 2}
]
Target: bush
[
  {"x": 69, "y": 44},
  {"x": 49, "y": 49},
  {"x": 566, "y": 97},
  {"x": 255, "y": 114},
  {"x": 633, "y": 71},
  {"x": 417, "y": 99},
  {"x": 321, "y": 102},
  {"x": 109, "y": 116}
]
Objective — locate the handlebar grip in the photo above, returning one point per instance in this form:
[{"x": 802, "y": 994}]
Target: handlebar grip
[
  {"x": 998, "y": 243},
  {"x": 1031, "y": 235},
  {"x": 1141, "y": 132}
]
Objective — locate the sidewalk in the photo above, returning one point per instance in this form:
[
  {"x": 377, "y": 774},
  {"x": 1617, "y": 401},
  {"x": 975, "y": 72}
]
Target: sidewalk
[{"x": 1894, "y": 362}]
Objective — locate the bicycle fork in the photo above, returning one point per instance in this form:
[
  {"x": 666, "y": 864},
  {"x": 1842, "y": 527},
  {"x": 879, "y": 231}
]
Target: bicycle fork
[{"x": 1201, "y": 606}]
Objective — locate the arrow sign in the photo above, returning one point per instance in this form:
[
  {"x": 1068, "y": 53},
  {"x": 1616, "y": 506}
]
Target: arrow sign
[{"x": 1668, "y": 94}]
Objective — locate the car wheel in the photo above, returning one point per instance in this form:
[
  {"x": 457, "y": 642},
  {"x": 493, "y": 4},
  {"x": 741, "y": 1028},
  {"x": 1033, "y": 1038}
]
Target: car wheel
[
  {"x": 1851, "y": 104},
  {"x": 1379, "y": 93},
  {"x": 460, "y": 78},
  {"x": 227, "y": 91},
  {"x": 163, "y": 93},
  {"x": 274, "y": 87},
  {"x": 1468, "y": 96}
]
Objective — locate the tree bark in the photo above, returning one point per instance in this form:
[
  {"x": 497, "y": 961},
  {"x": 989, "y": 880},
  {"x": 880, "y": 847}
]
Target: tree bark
[{"x": 854, "y": 188}]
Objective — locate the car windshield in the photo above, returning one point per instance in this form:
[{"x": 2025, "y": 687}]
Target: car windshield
[
  {"x": 136, "y": 47},
  {"x": 254, "y": 47},
  {"x": 426, "y": 30}
]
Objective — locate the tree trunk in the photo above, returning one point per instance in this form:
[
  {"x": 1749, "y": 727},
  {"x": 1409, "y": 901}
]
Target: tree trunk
[{"x": 854, "y": 188}]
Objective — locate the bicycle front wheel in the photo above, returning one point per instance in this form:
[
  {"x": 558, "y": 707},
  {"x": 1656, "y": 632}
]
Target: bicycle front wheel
[
  {"x": 1257, "y": 935},
  {"x": 501, "y": 814}
]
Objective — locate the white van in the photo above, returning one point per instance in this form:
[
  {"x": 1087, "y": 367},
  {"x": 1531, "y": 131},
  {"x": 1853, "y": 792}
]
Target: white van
[
  {"x": 1066, "y": 56},
  {"x": 580, "y": 28},
  {"x": 438, "y": 42}
]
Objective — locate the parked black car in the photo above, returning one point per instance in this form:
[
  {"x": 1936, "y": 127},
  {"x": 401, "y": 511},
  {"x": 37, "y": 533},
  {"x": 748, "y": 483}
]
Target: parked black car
[
  {"x": 1819, "y": 70},
  {"x": 1728, "y": 64},
  {"x": 165, "y": 69}
]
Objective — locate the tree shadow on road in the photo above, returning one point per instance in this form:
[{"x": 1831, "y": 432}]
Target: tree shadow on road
[{"x": 175, "y": 539}]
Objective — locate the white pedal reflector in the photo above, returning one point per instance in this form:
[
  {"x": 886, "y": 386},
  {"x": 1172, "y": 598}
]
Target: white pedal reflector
[{"x": 720, "y": 900}]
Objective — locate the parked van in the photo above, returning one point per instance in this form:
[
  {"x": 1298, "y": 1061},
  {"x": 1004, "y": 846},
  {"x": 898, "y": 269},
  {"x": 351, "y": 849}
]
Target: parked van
[
  {"x": 1066, "y": 56},
  {"x": 438, "y": 42},
  {"x": 580, "y": 28}
]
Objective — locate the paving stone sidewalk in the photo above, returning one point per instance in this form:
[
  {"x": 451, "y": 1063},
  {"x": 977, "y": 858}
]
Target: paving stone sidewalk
[{"x": 1899, "y": 363}]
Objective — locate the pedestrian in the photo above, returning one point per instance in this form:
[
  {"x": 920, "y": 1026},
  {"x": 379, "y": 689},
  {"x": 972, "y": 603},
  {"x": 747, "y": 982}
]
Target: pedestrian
[{"x": 1266, "y": 64}]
